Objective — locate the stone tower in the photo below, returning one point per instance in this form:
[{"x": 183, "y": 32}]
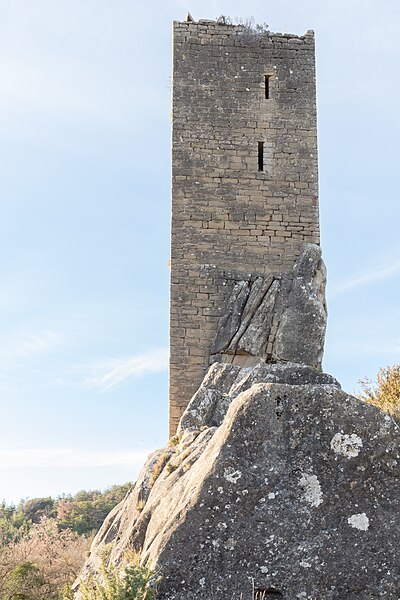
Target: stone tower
[{"x": 244, "y": 176}]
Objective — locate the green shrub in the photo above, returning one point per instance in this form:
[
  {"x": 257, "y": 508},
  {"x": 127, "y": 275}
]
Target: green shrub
[
  {"x": 132, "y": 582},
  {"x": 86, "y": 511},
  {"x": 26, "y": 583}
]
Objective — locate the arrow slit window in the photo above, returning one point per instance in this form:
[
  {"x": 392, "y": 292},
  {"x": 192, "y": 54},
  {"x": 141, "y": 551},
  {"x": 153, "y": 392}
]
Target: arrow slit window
[{"x": 261, "y": 156}]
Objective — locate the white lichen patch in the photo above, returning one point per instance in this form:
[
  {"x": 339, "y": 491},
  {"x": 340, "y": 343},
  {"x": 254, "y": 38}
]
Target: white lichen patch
[
  {"x": 305, "y": 564},
  {"x": 359, "y": 521},
  {"x": 230, "y": 544},
  {"x": 347, "y": 445},
  {"x": 231, "y": 475},
  {"x": 264, "y": 569},
  {"x": 312, "y": 489}
]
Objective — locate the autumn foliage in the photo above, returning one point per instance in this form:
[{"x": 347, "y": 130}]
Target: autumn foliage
[
  {"x": 385, "y": 391},
  {"x": 44, "y": 542},
  {"x": 41, "y": 563}
]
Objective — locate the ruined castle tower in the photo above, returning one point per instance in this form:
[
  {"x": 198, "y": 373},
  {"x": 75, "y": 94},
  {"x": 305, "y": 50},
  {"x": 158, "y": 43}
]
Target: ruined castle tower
[{"x": 244, "y": 176}]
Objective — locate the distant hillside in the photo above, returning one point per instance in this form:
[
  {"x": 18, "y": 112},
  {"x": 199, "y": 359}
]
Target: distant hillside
[{"x": 83, "y": 513}]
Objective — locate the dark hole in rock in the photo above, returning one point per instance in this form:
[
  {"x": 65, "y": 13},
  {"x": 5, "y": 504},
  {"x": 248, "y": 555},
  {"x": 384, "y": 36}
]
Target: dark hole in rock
[
  {"x": 279, "y": 408},
  {"x": 267, "y": 594}
]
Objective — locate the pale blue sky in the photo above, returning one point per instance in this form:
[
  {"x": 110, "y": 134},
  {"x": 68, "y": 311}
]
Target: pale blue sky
[{"x": 84, "y": 224}]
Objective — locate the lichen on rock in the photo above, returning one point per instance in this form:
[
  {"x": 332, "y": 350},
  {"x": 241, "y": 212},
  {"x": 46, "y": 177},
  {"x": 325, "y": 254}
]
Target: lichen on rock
[
  {"x": 277, "y": 480},
  {"x": 258, "y": 492}
]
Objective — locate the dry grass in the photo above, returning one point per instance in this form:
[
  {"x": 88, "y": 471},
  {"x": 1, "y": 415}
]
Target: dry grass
[
  {"x": 174, "y": 441},
  {"x": 170, "y": 468},
  {"x": 159, "y": 467}
]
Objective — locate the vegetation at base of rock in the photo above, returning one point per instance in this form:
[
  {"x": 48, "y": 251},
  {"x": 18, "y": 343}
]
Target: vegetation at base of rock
[
  {"x": 25, "y": 581},
  {"x": 42, "y": 562},
  {"x": 113, "y": 582},
  {"x": 44, "y": 542},
  {"x": 385, "y": 391}
]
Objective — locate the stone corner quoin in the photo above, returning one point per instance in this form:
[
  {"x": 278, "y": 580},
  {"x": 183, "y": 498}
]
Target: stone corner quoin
[{"x": 244, "y": 177}]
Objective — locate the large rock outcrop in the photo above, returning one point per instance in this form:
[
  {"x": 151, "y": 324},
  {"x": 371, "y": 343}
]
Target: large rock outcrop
[
  {"x": 278, "y": 481},
  {"x": 278, "y": 484}
]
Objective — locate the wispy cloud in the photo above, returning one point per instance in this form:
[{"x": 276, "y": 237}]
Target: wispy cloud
[
  {"x": 18, "y": 360},
  {"x": 367, "y": 277},
  {"x": 26, "y": 344},
  {"x": 109, "y": 373},
  {"x": 31, "y": 458}
]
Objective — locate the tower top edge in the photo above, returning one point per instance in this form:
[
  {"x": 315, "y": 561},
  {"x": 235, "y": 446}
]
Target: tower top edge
[{"x": 262, "y": 30}]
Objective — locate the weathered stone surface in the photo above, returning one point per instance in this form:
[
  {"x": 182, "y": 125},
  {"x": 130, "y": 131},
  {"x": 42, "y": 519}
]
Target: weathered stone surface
[
  {"x": 223, "y": 382},
  {"x": 257, "y": 294},
  {"x": 204, "y": 404},
  {"x": 283, "y": 320},
  {"x": 301, "y": 330},
  {"x": 289, "y": 373},
  {"x": 230, "y": 322},
  {"x": 254, "y": 340},
  {"x": 297, "y": 489}
]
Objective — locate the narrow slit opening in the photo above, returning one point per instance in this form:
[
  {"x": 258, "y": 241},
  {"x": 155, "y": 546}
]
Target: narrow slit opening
[
  {"x": 261, "y": 156},
  {"x": 267, "y": 78}
]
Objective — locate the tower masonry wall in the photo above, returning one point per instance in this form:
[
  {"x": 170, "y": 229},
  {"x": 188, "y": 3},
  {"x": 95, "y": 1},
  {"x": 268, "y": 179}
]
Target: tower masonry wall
[{"x": 244, "y": 176}]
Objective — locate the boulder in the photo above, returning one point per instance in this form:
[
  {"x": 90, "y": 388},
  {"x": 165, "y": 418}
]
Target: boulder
[
  {"x": 277, "y": 318},
  {"x": 230, "y": 321},
  {"x": 224, "y": 382},
  {"x": 279, "y": 483},
  {"x": 301, "y": 329}
]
